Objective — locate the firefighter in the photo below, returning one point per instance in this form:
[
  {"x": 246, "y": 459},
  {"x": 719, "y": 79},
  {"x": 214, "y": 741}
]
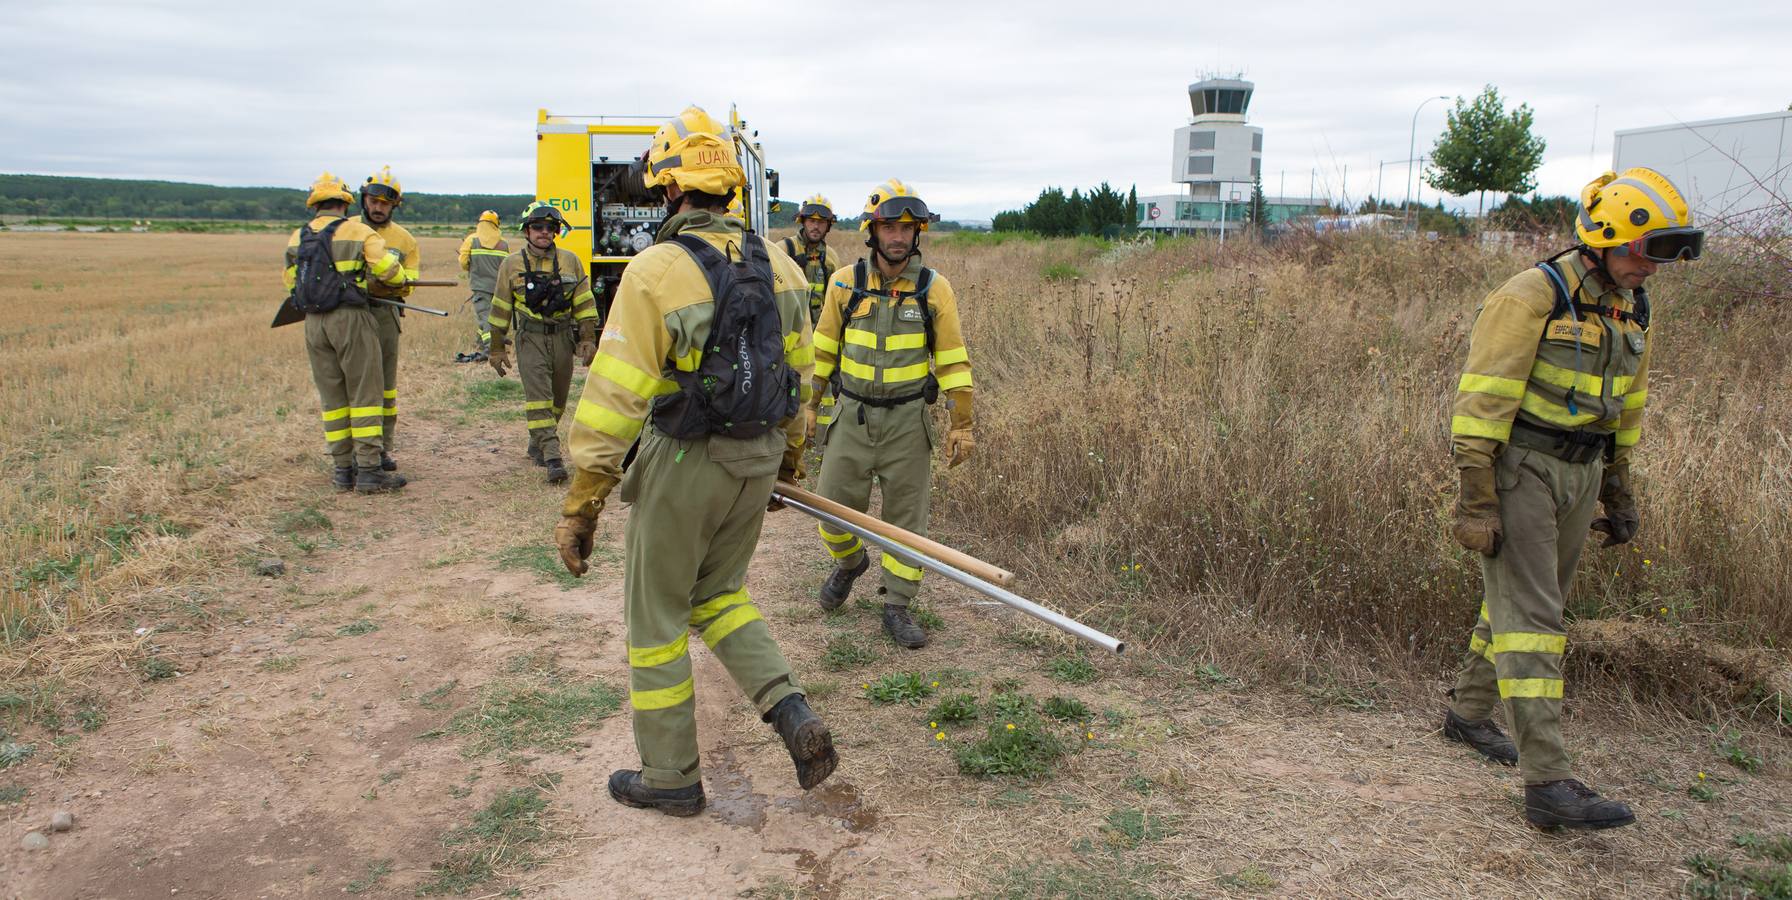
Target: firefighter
[
  {"x": 809, "y": 247},
  {"x": 481, "y": 253},
  {"x": 381, "y": 196},
  {"x": 889, "y": 343},
  {"x": 1547, "y": 414},
  {"x": 544, "y": 294},
  {"x": 698, "y": 501},
  {"x": 343, "y": 342}
]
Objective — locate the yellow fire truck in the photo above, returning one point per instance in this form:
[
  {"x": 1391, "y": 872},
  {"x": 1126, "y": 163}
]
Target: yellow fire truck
[{"x": 590, "y": 167}]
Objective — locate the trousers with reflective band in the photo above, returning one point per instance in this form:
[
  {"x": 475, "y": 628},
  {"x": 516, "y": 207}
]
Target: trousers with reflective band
[
  {"x": 698, "y": 508},
  {"x": 894, "y": 444},
  {"x": 386, "y": 319},
  {"x": 1575, "y": 374},
  {"x": 544, "y": 362},
  {"x": 344, "y": 350},
  {"x": 1515, "y": 651}
]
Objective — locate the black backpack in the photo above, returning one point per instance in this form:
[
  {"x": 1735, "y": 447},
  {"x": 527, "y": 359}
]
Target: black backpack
[
  {"x": 546, "y": 297},
  {"x": 319, "y": 287},
  {"x": 743, "y": 388}
]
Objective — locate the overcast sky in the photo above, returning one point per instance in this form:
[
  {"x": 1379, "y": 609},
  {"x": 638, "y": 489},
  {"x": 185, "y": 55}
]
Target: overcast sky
[{"x": 978, "y": 105}]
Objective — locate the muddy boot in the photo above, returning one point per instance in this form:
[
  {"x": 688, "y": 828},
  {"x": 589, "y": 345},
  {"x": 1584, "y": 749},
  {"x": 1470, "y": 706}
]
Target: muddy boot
[
  {"x": 811, "y": 747},
  {"x": 343, "y": 478},
  {"x": 556, "y": 471},
  {"x": 387, "y": 463},
  {"x": 628, "y": 789},
  {"x": 1570, "y": 804},
  {"x": 1485, "y": 737},
  {"x": 838, "y": 587},
  {"x": 902, "y": 629},
  {"x": 535, "y": 456},
  {"x": 373, "y": 481}
]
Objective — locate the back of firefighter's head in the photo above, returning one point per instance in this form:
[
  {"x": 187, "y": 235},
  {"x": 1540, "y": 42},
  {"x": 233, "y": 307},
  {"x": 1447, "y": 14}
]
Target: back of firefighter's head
[
  {"x": 1635, "y": 223},
  {"x": 894, "y": 218},
  {"x": 691, "y": 162},
  {"x": 329, "y": 194}
]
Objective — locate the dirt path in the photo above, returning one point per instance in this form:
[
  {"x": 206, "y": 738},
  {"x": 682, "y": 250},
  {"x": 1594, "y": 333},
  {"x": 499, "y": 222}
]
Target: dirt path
[{"x": 340, "y": 728}]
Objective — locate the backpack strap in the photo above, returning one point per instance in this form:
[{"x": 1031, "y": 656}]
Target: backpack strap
[
  {"x": 1564, "y": 304},
  {"x": 790, "y": 247},
  {"x": 922, "y": 285}
]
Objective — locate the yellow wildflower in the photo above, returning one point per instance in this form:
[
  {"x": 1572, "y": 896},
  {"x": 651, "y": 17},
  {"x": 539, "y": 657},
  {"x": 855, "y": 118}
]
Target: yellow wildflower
[
  {"x": 939, "y": 736},
  {"x": 1010, "y": 726}
]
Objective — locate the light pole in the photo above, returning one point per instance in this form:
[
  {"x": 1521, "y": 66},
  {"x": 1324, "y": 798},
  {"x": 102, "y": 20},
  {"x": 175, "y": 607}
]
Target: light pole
[{"x": 1412, "y": 145}]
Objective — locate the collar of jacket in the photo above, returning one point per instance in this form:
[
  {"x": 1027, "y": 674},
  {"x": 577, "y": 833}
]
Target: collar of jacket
[
  {"x": 540, "y": 254},
  {"x": 699, "y": 220},
  {"x": 911, "y": 273}
]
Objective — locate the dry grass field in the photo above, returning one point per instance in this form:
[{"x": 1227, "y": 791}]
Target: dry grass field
[{"x": 1237, "y": 460}]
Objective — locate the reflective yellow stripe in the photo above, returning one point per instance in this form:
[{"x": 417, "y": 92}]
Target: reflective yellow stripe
[
  {"x": 688, "y": 362},
  {"x": 903, "y": 374},
  {"x": 856, "y": 369},
  {"x": 412, "y": 274},
  {"x": 1511, "y": 388},
  {"x": 1627, "y": 437},
  {"x": 500, "y": 303},
  {"x": 1545, "y": 688},
  {"x": 498, "y": 253},
  {"x": 1484, "y": 611},
  {"x": 662, "y": 698},
  {"x": 337, "y": 435},
  {"x": 1478, "y": 646},
  {"x": 801, "y": 356},
  {"x": 728, "y": 622},
  {"x": 630, "y": 378},
  {"x": 955, "y": 381},
  {"x": 648, "y": 657},
  {"x": 844, "y": 552},
  {"x": 954, "y": 355},
  {"x": 383, "y": 266},
  {"x": 1529, "y": 642},
  {"x": 1636, "y": 399},
  {"x": 861, "y": 338},
  {"x": 390, "y": 411},
  {"x": 536, "y": 404},
  {"x": 1469, "y": 426},
  {"x": 541, "y": 423},
  {"x": 826, "y": 344},
  {"x": 706, "y": 610},
  {"x": 366, "y": 431},
  {"x": 905, "y": 342},
  {"x": 331, "y": 415},
  {"x": 1555, "y": 415},
  {"x": 391, "y": 394},
  {"x": 1562, "y": 378},
  {"x": 364, "y": 411},
  {"x": 607, "y": 421},
  {"x": 790, "y": 341},
  {"x": 896, "y": 567},
  {"x": 829, "y": 400},
  {"x": 823, "y": 368},
  {"x": 348, "y": 265},
  {"x": 827, "y": 535}
]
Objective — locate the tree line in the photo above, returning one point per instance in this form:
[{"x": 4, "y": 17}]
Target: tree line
[
  {"x": 55, "y": 196},
  {"x": 1103, "y": 212}
]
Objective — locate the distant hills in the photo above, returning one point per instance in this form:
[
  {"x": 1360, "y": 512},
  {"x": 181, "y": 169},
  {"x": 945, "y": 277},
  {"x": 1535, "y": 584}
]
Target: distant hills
[{"x": 56, "y": 196}]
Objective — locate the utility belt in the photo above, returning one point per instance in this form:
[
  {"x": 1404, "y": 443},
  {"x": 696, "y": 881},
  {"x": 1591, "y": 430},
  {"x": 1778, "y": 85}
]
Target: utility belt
[
  {"x": 929, "y": 392},
  {"x": 1573, "y": 447},
  {"x": 540, "y": 326}
]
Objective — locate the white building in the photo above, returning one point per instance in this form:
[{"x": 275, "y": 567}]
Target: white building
[
  {"x": 1219, "y": 157},
  {"x": 1734, "y": 172}
]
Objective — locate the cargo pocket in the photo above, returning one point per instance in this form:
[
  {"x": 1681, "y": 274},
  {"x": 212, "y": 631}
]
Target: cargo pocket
[
  {"x": 652, "y": 446},
  {"x": 1506, "y": 472},
  {"x": 743, "y": 458}
]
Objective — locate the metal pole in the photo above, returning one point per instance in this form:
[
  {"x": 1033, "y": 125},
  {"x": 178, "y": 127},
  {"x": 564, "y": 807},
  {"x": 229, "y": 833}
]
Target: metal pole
[
  {"x": 1412, "y": 146},
  {"x": 1378, "y": 167},
  {"x": 1054, "y": 619}
]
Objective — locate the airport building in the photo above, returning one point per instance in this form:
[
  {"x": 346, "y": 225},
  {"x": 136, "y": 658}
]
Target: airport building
[
  {"x": 1218, "y": 157},
  {"x": 1734, "y": 172}
]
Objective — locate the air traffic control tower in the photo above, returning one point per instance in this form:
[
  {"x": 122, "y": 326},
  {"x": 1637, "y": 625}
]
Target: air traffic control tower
[{"x": 1217, "y": 155}]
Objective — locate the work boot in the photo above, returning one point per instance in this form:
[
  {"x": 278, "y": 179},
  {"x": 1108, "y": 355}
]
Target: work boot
[
  {"x": 1570, "y": 804},
  {"x": 556, "y": 471},
  {"x": 902, "y": 629},
  {"x": 1485, "y": 737},
  {"x": 838, "y": 587},
  {"x": 629, "y": 790},
  {"x": 806, "y": 737},
  {"x": 463, "y": 357},
  {"x": 535, "y": 456},
  {"x": 343, "y": 478},
  {"x": 374, "y": 481},
  {"x": 479, "y": 356},
  {"x": 387, "y": 463}
]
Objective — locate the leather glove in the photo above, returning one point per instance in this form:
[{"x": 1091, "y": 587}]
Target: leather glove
[
  {"x": 959, "y": 445},
  {"x": 809, "y": 416},
  {"x": 1477, "y": 522},
  {"x": 499, "y": 357},
  {"x": 578, "y": 517},
  {"x": 1620, "y": 522},
  {"x": 586, "y": 350},
  {"x": 959, "y": 442},
  {"x": 790, "y": 471}
]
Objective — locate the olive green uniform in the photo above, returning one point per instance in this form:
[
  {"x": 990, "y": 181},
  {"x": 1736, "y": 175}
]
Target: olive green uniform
[
  {"x": 398, "y": 238},
  {"x": 698, "y": 504},
  {"x": 882, "y": 355},
  {"x": 481, "y": 254},
  {"x": 1530, "y": 378},
  {"x": 544, "y": 345},
  {"x": 342, "y": 345},
  {"x": 818, "y": 261}
]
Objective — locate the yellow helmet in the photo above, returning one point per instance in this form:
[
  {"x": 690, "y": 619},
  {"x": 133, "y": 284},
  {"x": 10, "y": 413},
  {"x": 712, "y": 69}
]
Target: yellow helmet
[
  {"x": 490, "y": 215},
  {"x": 892, "y": 201},
  {"x": 1640, "y": 211},
  {"x": 816, "y": 207},
  {"x": 735, "y": 209},
  {"x": 539, "y": 211},
  {"x": 328, "y": 187},
  {"x": 382, "y": 184},
  {"x": 692, "y": 152}
]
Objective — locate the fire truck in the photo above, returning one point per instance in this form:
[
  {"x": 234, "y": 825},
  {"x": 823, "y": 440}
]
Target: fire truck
[{"x": 590, "y": 168}]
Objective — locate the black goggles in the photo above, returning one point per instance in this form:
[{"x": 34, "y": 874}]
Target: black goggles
[
  {"x": 543, "y": 224},
  {"x": 892, "y": 210},
  {"x": 383, "y": 191},
  {"x": 1668, "y": 245}
]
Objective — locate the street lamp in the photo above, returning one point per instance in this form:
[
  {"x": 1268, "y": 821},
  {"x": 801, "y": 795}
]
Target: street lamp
[{"x": 1412, "y": 145}]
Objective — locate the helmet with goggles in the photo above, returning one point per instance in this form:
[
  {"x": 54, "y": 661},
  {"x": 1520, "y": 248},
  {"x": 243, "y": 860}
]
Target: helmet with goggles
[
  {"x": 382, "y": 184},
  {"x": 893, "y": 201},
  {"x": 1638, "y": 213},
  {"x": 816, "y": 207},
  {"x": 539, "y": 213}
]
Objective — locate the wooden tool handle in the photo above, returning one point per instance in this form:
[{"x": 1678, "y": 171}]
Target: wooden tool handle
[
  {"x": 955, "y": 558},
  {"x": 429, "y": 282}
]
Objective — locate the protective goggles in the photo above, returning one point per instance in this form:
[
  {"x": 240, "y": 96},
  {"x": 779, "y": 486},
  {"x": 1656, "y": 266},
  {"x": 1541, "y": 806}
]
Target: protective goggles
[
  {"x": 383, "y": 191},
  {"x": 815, "y": 211},
  {"x": 1667, "y": 245},
  {"x": 893, "y": 209},
  {"x": 544, "y": 224}
]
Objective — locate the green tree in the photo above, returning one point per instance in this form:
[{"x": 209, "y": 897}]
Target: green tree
[
  {"x": 1257, "y": 211},
  {"x": 1485, "y": 148}
]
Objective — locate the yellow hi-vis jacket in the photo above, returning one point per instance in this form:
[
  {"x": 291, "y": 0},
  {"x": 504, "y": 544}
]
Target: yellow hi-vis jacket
[
  {"x": 481, "y": 253},
  {"x": 882, "y": 352},
  {"x": 357, "y": 250},
  {"x": 1522, "y": 365},
  {"x": 518, "y": 268},
  {"x": 657, "y": 325},
  {"x": 397, "y": 238},
  {"x": 818, "y": 263}
]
